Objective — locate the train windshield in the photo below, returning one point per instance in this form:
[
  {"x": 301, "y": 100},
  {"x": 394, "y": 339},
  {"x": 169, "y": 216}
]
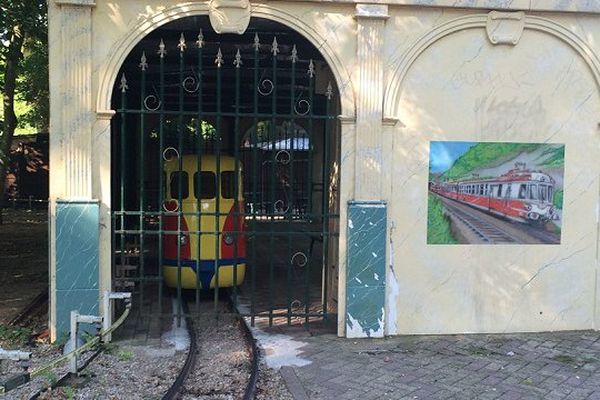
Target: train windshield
[
  {"x": 543, "y": 192},
  {"x": 205, "y": 185},
  {"x": 228, "y": 184},
  {"x": 533, "y": 192}
]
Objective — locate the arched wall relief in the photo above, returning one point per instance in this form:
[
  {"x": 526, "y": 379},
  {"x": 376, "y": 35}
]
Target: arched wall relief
[
  {"x": 478, "y": 21},
  {"x": 122, "y": 48}
]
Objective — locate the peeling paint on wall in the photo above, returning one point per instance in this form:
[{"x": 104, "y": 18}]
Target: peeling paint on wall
[
  {"x": 365, "y": 294},
  {"x": 393, "y": 291}
]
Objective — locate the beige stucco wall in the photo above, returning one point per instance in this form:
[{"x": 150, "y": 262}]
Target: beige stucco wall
[
  {"x": 463, "y": 88},
  {"x": 435, "y": 79}
]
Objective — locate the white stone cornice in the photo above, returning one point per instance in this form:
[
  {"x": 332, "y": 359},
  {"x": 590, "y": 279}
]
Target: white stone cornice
[
  {"x": 562, "y": 6},
  {"x": 371, "y": 11},
  {"x": 346, "y": 120},
  {"x": 79, "y": 3},
  {"x": 105, "y": 114}
]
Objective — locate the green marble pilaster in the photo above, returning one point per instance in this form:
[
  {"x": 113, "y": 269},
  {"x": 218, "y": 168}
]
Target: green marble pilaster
[
  {"x": 365, "y": 290},
  {"x": 77, "y": 252}
]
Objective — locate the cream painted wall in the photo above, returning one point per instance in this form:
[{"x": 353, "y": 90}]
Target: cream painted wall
[
  {"x": 458, "y": 88},
  {"x": 463, "y": 88}
]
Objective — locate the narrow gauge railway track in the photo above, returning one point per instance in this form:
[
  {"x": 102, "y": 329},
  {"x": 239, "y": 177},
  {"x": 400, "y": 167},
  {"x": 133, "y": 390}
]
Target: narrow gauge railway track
[
  {"x": 34, "y": 308},
  {"x": 487, "y": 232},
  {"x": 192, "y": 381}
]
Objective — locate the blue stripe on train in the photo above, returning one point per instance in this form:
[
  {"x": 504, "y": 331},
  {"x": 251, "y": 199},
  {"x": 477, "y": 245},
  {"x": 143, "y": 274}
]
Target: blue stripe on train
[{"x": 207, "y": 267}]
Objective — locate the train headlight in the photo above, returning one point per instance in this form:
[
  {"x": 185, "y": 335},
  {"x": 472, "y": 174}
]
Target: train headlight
[
  {"x": 228, "y": 239},
  {"x": 183, "y": 239},
  {"x": 527, "y": 207}
]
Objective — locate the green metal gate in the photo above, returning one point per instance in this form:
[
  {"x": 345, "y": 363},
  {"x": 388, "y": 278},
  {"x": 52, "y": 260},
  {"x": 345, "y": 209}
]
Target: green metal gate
[{"x": 225, "y": 164}]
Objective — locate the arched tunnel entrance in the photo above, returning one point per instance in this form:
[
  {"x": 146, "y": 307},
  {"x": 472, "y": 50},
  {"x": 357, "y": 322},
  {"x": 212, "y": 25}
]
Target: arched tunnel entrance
[{"x": 225, "y": 168}]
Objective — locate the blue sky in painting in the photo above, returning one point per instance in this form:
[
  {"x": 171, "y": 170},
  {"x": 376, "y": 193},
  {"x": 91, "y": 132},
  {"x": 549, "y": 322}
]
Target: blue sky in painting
[{"x": 443, "y": 154}]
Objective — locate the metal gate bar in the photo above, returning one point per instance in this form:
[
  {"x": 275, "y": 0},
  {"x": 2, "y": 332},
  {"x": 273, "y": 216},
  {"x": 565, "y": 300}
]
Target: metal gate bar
[{"x": 282, "y": 201}]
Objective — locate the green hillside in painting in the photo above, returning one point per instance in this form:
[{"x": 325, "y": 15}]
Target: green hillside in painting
[{"x": 484, "y": 155}]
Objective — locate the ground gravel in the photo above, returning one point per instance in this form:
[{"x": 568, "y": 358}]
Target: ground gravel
[{"x": 223, "y": 363}]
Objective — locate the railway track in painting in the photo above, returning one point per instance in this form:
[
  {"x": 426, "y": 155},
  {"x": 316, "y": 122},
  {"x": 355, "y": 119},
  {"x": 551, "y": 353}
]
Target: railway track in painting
[
  {"x": 487, "y": 232},
  {"x": 489, "y": 229}
]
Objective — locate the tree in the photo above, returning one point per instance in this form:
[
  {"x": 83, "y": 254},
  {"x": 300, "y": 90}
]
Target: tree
[{"x": 23, "y": 67}]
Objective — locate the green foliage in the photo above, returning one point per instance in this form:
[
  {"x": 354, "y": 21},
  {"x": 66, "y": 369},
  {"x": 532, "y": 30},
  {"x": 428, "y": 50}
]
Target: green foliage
[
  {"x": 115, "y": 350},
  {"x": 69, "y": 392},
  {"x": 438, "y": 225},
  {"x": 23, "y": 67},
  {"x": 558, "y": 199},
  {"x": 124, "y": 355},
  {"x": 555, "y": 157},
  {"x": 51, "y": 378},
  {"x": 33, "y": 86},
  {"x": 14, "y": 336},
  {"x": 484, "y": 155}
]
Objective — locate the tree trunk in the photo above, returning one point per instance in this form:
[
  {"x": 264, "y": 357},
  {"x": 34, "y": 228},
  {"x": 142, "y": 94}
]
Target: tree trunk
[{"x": 13, "y": 58}]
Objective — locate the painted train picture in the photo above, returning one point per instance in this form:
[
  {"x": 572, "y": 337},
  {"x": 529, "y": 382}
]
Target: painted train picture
[{"x": 495, "y": 193}]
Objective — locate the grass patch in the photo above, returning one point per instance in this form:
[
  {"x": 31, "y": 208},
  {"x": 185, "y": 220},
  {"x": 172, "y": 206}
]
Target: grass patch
[
  {"x": 528, "y": 381},
  {"x": 479, "y": 351},
  {"x": 564, "y": 358},
  {"x": 14, "y": 336},
  {"x": 438, "y": 225},
  {"x": 116, "y": 351},
  {"x": 124, "y": 355}
]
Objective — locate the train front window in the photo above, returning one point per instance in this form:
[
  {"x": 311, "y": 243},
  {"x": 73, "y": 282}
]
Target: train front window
[
  {"x": 179, "y": 178},
  {"x": 205, "y": 186},
  {"x": 227, "y": 184},
  {"x": 543, "y": 193},
  {"x": 533, "y": 192}
]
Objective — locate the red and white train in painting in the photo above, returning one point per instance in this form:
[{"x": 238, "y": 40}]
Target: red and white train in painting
[{"x": 520, "y": 194}]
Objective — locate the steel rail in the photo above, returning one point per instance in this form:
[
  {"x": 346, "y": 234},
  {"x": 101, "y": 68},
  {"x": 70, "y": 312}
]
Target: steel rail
[
  {"x": 190, "y": 361},
  {"x": 38, "y": 300}
]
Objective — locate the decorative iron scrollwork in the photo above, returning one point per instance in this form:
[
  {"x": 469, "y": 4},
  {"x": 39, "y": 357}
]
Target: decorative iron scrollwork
[
  {"x": 279, "y": 207},
  {"x": 283, "y": 157},
  {"x": 265, "y": 87},
  {"x": 299, "y": 259},
  {"x": 191, "y": 84},
  {"x": 296, "y": 306},
  {"x": 302, "y": 107},
  {"x": 152, "y": 103},
  {"x": 170, "y": 150}
]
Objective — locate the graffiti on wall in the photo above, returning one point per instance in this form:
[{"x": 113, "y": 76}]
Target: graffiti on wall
[{"x": 495, "y": 193}]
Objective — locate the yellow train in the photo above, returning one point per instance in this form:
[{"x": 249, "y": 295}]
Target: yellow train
[{"x": 208, "y": 204}]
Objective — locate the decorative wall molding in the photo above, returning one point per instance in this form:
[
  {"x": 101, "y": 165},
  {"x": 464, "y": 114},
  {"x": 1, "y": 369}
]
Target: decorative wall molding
[
  {"x": 121, "y": 49},
  {"x": 229, "y": 16},
  {"x": 369, "y": 55},
  {"x": 479, "y": 21},
  {"x": 76, "y": 100},
  {"x": 79, "y": 3},
  {"x": 505, "y": 27},
  {"x": 105, "y": 114},
  {"x": 392, "y": 121},
  {"x": 554, "y": 6},
  {"x": 374, "y": 11}
]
